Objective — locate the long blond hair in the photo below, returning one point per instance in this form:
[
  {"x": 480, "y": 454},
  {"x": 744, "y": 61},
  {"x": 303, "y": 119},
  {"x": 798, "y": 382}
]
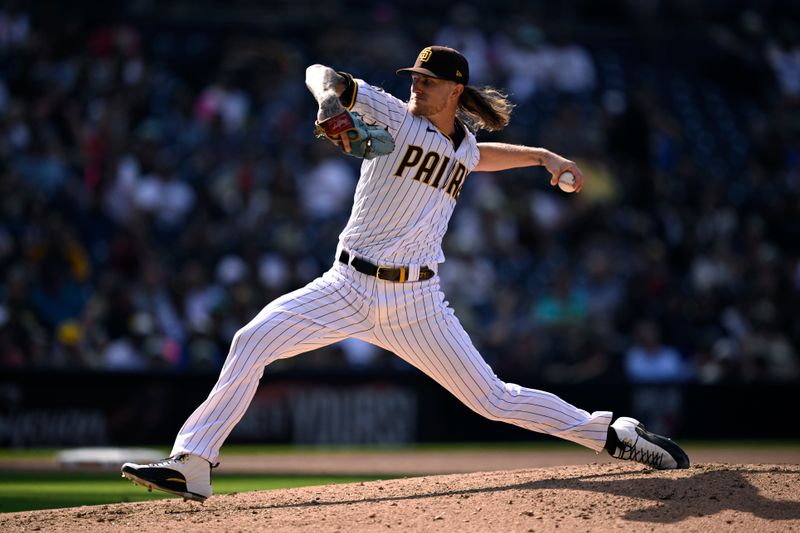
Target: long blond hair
[{"x": 484, "y": 109}]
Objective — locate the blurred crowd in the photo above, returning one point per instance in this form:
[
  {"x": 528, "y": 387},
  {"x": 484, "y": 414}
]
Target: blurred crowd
[{"x": 160, "y": 184}]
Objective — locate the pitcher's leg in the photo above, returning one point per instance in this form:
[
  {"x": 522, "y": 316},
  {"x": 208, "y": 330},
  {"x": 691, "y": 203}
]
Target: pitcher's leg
[
  {"x": 420, "y": 327},
  {"x": 317, "y": 315}
]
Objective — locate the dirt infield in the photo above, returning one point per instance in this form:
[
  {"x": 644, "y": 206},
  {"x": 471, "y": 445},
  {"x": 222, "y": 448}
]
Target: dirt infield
[
  {"x": 414, "y": 462},
  {"x": 597, "y": 497}
]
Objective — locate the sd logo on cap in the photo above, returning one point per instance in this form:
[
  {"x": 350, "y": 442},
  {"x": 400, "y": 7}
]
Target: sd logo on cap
[{"x": 440, "y": 62}]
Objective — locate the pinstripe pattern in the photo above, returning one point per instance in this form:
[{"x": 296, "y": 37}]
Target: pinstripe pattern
[
  {"x": 418, "y": 325},
  {"x": 412, "y": 320},
  {"x": 327, "y": 310},
  {"x": 399, "y": 218}
]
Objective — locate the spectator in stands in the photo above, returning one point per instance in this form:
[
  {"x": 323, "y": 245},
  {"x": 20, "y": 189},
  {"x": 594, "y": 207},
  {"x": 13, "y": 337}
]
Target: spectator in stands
[
  {"x": 126, "y": 179},
  {"x": 648, "y": 360},
  {"x": 465, "y": 33},
  {"x": 783, "y": 55}
]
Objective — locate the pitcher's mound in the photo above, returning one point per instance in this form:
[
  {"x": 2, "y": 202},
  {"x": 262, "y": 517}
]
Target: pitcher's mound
[{"x": 599, "y": 497}]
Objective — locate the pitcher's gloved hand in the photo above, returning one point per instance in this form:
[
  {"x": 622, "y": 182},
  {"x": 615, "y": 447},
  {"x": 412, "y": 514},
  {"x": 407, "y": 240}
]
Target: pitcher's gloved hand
[{"x": 366, "y": 141}]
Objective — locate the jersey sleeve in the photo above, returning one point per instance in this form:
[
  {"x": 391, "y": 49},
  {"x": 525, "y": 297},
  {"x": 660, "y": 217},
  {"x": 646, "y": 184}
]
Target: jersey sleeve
[
  {"x": 376, "y": 105},
  {"x": 347, "y": 98},
  {"x": 474, "y": 152}
]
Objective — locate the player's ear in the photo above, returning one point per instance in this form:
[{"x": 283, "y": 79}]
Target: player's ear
[{"x": 458, "y": 89}]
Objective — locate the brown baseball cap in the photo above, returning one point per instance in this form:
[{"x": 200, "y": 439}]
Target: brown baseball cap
[{"x": 440, "y": 62}]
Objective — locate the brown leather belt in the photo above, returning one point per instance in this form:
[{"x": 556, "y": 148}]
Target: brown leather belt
[{"x": 397, "y": 274}]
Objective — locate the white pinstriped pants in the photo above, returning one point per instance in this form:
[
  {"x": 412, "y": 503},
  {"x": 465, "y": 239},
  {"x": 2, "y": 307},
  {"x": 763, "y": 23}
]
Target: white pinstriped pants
[{"x": 413, "y": 320}]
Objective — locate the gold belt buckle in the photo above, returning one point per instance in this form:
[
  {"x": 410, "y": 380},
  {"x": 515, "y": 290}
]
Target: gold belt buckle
[{"x": 403, "y": 273}]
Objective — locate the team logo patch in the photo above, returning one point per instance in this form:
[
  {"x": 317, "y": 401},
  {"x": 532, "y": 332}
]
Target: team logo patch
[
  {"x": 425, "y": 55},
  {"x": 458, "y": 74}
]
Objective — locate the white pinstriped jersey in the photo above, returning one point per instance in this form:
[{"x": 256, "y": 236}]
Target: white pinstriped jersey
[
  {"x": 404, "y": 200},
  {"x": 402, "y": 207}
]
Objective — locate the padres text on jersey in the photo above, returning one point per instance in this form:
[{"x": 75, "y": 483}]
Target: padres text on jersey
[{"x": 404, "y": 200}]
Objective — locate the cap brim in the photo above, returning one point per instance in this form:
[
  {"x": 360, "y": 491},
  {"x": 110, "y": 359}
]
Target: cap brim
[{"x": 417, "y": 70}]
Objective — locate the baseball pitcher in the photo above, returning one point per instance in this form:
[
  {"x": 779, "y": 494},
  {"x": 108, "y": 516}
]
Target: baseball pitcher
[{"x": 383, "y": 286}]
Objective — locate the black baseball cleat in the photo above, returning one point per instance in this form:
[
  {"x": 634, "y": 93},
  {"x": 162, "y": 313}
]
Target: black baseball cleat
[
  {"x": 629, "y": 441},
  {"x": 185, "y": 475}
]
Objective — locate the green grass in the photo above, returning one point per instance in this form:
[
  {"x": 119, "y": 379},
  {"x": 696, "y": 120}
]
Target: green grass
[
  {"x": 271, "y": 449},
  {"x": 22, "y": 491},
  {"x": 23, "y": 453},
  {"x": 445, "y": 447},
  {"x": 543, "y": 445}
]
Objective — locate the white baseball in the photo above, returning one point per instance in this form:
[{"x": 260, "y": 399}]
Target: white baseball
[{"x": 566, "y": 182}]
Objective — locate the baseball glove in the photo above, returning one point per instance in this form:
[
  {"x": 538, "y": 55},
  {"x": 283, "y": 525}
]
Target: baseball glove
[{"x": 367, "y": 141}]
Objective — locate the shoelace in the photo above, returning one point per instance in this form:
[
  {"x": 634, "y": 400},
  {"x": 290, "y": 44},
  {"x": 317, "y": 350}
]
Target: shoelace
[
  {"x": 650, "y": 458},
  {"x": 172, "y": 460},
  {"x": 177, "y": 459}
]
